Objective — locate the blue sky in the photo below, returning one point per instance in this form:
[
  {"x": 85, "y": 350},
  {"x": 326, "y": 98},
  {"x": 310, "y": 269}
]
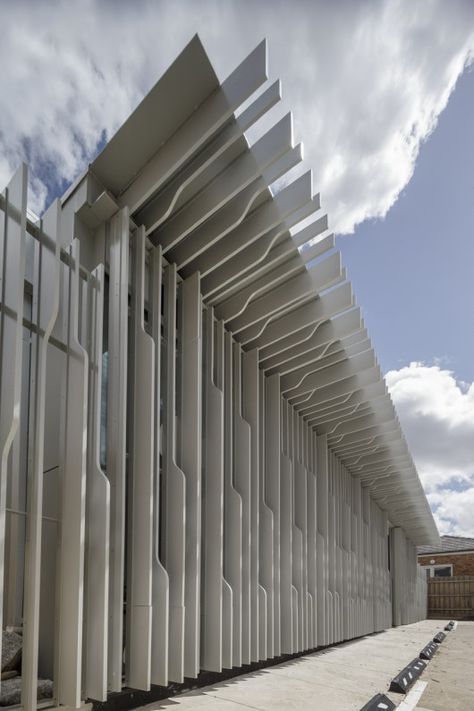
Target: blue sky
[
  {"x": 385, "y": 107},
  {"x": 413, "y": 271}
]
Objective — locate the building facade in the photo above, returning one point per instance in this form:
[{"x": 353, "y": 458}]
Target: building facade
[
  {"x": 201, "y": 466},
  {"x": 453, "y": 556}
]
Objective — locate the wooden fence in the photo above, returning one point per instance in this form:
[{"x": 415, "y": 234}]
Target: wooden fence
[{"x": 451, "y": 597}]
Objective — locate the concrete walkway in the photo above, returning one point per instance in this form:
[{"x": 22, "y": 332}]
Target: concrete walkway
[{"x": 344, "y": 677}]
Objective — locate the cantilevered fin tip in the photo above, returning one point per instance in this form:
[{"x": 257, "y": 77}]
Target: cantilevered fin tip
[
  {"x": 261, "y": 50},
  {"x": 254, "y": 66}
]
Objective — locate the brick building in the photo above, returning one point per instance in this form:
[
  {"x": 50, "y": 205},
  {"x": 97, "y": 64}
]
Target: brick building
[{"x": 454, "y": 556}]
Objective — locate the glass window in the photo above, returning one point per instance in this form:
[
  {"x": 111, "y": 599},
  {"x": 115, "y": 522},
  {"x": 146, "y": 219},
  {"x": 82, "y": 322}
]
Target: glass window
[
  {"x": 443, "y": 572},
  {"x": 438, "y": 571}
]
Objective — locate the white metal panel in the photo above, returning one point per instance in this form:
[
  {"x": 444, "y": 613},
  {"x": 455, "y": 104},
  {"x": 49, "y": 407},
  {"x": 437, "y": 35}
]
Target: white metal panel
[
  {"x": 322, "y": 538},
  {"x": 250, "y": 243},
  {"x": 232, "y": 510},
  {"x": 286, "y": 536},
  {"x": 160, "y": 581},
  {"x": 141, "y": 485},
  {"x": 250, "y": 410},
  {"x": 193, "y": 134},
  {"x": 118, "y": 253},
  {"x": 12, "y": 269},
  {"x": 266, "y": 534},
  {"x": 240, "y": 174},
  {"x": 206, "y": 163},
  {"x": 272, "y": 485},
  {"x": 45, "y": 305},
  {"x": 242, "y": 472},
  {"x": 213, "y": 499},
  {"x": 174, "y": 489},
  {"x": 190, "y": 462},
  {"x": 96, "y": 573},
  {"x": 73, "y": 489}
]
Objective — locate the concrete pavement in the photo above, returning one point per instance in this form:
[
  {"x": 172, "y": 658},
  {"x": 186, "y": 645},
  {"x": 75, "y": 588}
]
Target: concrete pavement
[{"x": 344, "y": 677}]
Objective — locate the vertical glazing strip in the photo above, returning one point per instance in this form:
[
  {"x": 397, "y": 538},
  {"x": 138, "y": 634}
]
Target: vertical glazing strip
[
  {"x": 12, "y": 270},
  {"x": 160, "y": 584},
  {"x": 213, "y": 505},
  {"x": 73, "y": 494},
  {"x": 96, "y": 574},
  {"x": 116, "y": 434},
  {"x": 190, "y": 462},
  {"x": 140, "y": 531},
  {"x": 174, "y": 490},
  {"x": 45, "y": 311},
  {"x": 250, "y": 411}
]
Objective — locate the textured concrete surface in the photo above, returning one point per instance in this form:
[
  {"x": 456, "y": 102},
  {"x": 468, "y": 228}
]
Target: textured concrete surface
[
  {"x": 450, "y": 674},
  {"x": 344, "y": 677}
]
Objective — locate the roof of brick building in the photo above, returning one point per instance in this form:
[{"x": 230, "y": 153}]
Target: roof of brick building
[{"x": 449, "y": 544}]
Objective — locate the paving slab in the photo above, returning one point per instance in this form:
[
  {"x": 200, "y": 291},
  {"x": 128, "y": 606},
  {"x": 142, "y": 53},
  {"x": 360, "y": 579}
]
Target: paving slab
[{"x": 343, "y": 677}]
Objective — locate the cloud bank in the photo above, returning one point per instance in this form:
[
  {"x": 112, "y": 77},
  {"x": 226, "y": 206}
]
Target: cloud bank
[
  {"x": 366, "y": 80},
  {"x": 437, "y": 415}
]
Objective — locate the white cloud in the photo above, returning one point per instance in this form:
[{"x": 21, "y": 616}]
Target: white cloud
[
  {"x": 437, "y": 415},
  {"x": 367, "y": 80},
  {"x": 454, "y": 511}
]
